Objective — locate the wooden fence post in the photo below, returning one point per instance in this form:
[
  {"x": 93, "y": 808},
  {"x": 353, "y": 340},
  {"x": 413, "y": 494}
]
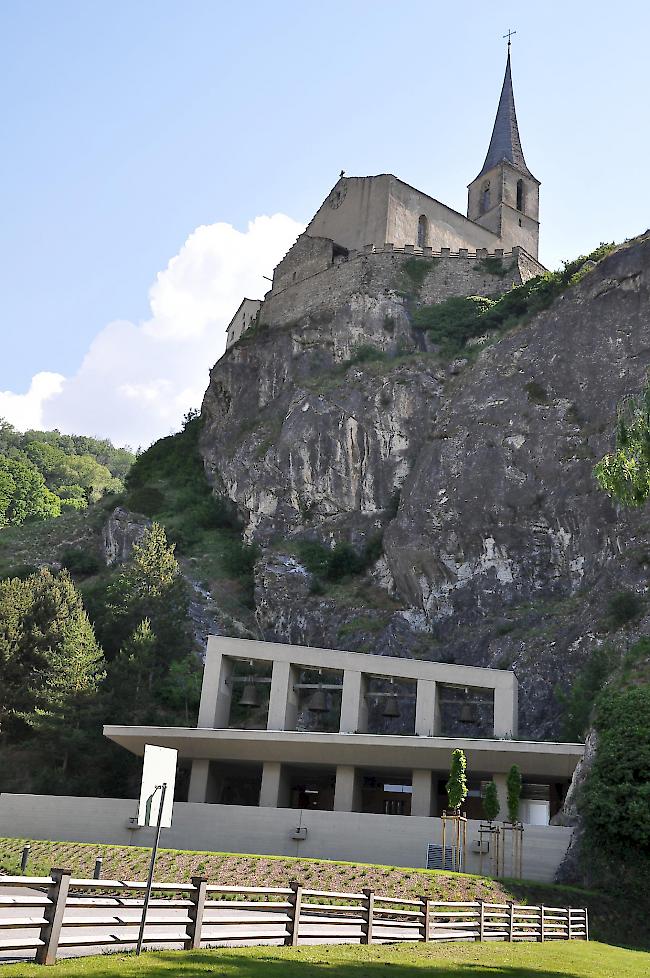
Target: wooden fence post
[
  {"x": 195, "y": 913},
  {"x": 294, "y": 914},
  {"x": 586, "y": 924},
  {"x": 568, "y": 924},
  {"x": 51, "y": 930},
  {"x": 426, "y": 918},
  {"x": 481, "y": 921},
  {"x": 541, "y": 923},
  {"x": 369, "y": 914},
  {"x": 511, "y": 919}
]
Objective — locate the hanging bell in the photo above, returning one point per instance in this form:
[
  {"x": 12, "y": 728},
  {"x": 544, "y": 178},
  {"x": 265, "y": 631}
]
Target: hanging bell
[
  {"x": 391, "y": 708},
  {"x": 318, "y": 702},
  {"x": 250, "y": 695},
  {"x": 468, "y": 713}
]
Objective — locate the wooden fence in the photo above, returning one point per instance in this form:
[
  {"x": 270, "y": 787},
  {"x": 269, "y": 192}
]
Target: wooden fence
[{"x": 45, "y": 914}]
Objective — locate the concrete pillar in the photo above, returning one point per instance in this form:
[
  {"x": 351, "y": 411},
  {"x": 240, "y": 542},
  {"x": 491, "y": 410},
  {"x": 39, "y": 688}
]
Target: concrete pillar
[
  {"x": 205, "y": 783},
  {"x": 216, "y": 694},
  {"x": 283, "y": 699},
  {"x": 198, "y": 789},
  {"x": 500, "y": 781},
  {"x": 422, "y": 797},
  {"x": 347, "y": 793},
  {"x": 427, "y": 709},
  {"x": 274, "y": 791},
  {"x": 354, "y": 708},
  {"x": 505, "y": 711}
]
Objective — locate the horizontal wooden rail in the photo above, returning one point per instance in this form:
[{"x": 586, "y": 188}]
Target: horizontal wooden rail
[{"x": 80, "y": 913}]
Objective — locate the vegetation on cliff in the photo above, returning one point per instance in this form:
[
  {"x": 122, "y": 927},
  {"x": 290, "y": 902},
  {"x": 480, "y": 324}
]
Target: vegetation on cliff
[
  {"x": 44, "y": 473},
  {"x": 625, "y": 473},
  {"x": 453, "y": 322}
]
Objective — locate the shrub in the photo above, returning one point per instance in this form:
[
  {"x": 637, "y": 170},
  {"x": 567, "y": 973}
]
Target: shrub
[
  {"x": 536, "y": 393},
  {"x": 513, "y": 785},
  {"x": 146, "y": 500},
  {"x": 81, "y": 563},
  {"x": 623, "y": 608},
  {"x": 366, "y": 352},
  {"x": 417, "y": 269},
  {"x": 491, "y": 806}
]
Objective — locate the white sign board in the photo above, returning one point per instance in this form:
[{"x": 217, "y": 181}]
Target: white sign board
[{"x": 159, "y": 768}]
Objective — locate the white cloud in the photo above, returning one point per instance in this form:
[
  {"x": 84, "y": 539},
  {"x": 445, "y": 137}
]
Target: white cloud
[
  {"x": 26, "y": 410},
  {"x": 136, "y": 381}
]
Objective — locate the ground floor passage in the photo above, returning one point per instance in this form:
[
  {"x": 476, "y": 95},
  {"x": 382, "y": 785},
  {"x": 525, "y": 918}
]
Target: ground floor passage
[{"x": 381, "y": 791}]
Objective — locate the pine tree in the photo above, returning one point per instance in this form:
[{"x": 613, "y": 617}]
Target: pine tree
[
  {"x": 131, "y": 676},
  {"x": 152, "y": 587},
  {"x": 457, "y": 783}
]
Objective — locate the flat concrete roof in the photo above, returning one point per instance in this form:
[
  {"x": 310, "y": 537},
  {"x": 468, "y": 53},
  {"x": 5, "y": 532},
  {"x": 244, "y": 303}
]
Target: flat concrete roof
[
  {"x": 484, "y": 756},
  {"x": 389, "y": 666}
]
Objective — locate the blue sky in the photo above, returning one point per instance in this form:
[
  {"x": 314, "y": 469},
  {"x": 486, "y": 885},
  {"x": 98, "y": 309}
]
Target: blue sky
[{"x": 127, "y": 125}]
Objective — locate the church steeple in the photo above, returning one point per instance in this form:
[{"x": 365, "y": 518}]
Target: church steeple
[
  {"x": 505, "y": 143},
  {"x": 504, "y": 197}
]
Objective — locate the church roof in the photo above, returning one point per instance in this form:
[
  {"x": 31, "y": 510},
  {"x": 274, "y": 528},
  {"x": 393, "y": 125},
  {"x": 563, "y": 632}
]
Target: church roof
[{"x": 505, "y": 143}]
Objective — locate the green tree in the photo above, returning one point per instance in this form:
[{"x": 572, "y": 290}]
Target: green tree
[
  {"x": 50, "y": 661},
  {"x": 491, "y": 806},
  {"x": 513, "y": 785},
  {"x": 625, "y": 473},
  {"x": 131, "y": 676},
  {"x": 23, "y": 493},
  {"x": 457, "y": 783}
]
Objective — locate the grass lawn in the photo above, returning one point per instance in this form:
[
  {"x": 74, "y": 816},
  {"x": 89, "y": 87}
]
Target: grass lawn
[{"x": 574, "y": 960}]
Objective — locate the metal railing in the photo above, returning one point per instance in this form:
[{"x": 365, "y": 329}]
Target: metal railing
[{"x": 59, "y": 912}]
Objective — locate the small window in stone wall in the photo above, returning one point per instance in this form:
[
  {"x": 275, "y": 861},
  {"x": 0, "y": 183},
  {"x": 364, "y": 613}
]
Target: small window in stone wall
[
  {"x": 485, "y": 197},
  {"x": 521, "y": 195},
  {"x": 423, "y": 231}
]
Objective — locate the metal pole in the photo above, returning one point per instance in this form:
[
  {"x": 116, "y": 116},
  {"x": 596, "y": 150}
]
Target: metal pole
[
  {"x": 24, "y": 858},
  {"x": 154, "y": 853}
]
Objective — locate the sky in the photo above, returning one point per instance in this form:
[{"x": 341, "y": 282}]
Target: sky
[{"x": 160, "y": 156}]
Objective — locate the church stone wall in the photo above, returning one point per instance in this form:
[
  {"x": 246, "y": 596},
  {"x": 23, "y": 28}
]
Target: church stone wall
[
  {"x": 383, "y": 272},
  {"x": 446, "y": 227},
  {"x": 354, "y": 213}
]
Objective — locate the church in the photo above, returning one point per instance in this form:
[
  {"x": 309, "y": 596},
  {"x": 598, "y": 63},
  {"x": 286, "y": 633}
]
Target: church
[{"x": 374, "y": 213}]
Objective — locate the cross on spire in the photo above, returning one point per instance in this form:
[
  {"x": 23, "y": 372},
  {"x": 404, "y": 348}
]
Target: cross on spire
[{"x": 509, "y": 35}]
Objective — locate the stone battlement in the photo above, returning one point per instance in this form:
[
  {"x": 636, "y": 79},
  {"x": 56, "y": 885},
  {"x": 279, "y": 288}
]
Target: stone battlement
[{"x": 409, "y": 249}]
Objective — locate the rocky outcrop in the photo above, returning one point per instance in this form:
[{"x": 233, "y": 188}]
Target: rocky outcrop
[
  {"x": 498, "y": 547},
  {"x": 120, "y": 532}
]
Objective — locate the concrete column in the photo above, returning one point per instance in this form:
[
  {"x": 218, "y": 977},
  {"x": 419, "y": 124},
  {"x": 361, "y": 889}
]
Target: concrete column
[
  {"x": 354, "y": 708},
  {"x": 427, "y": 709},
  {"x": 198, "y": 789},
  {"x": 505, "y": 711},
  {"x": 347, "y": 793},
  {"x": 283, "y": 699},
  {"x": 216, "y": 694},
  {"x": 502, "y": 794},
  {"x": 274, "y": 792},
  {"x": 421, "y": 799}
]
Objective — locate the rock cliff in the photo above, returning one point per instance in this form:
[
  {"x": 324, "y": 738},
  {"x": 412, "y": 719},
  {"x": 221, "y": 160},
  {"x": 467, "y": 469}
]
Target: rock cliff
[{"x": 345, "y": 424}]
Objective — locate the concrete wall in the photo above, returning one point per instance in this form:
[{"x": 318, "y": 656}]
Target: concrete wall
[{"x": 389, "y": 840}]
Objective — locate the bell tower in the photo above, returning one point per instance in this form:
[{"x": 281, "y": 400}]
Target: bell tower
[{"x": 504, "y": 197}]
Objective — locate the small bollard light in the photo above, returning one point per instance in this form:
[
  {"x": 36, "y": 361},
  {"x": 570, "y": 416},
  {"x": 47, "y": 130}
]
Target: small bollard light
[
  {"x": 97, "y": 873},
  {"x": 24, "y": 858}
]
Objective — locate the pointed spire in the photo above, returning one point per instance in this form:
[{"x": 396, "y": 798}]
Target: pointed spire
[{"x": 505, "y": 143}]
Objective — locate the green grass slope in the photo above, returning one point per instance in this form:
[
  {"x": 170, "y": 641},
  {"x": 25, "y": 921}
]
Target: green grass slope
[
  {"x": 609, "y": 919},
  {"x": 574, "y": 960}
]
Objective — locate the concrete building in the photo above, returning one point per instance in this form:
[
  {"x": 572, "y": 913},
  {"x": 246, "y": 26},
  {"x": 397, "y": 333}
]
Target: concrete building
[
  {"x": 338, "y": 755},
  {"x": 355, "y": 735}
]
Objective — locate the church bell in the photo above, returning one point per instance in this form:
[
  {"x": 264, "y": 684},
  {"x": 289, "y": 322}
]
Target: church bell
[
  {"x": 391, "y": 708},
  {"x": 250, "y": 696},
  {"x": 318, "y": 702}
]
